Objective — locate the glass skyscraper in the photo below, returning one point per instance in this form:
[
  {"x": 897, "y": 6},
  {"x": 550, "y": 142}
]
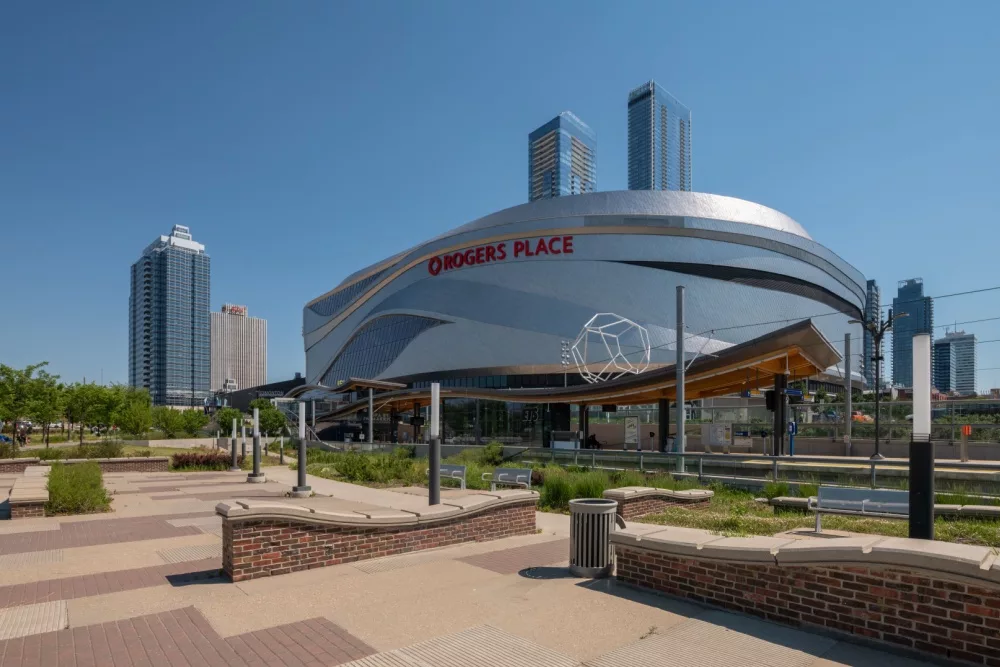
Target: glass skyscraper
[
  {"x": 873, "y": 313},
  {"x": 659, "y": 140},
  {"x": 955, "y": 363},
  {"x": 562, "y": 158},
  {"x": 919, "y": 319},
  {"x": 169, "y": 327}
]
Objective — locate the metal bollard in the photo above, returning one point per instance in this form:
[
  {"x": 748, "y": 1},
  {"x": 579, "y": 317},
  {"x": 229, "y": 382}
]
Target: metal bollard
[
  {"x": 774, "y": 469},
  {"x": 873, "y": 475},
  {"x": 701, "y": 468}
]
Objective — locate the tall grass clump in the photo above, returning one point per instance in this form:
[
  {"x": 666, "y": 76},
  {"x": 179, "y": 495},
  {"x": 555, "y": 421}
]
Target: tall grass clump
[{"x": 76, "y": 489}]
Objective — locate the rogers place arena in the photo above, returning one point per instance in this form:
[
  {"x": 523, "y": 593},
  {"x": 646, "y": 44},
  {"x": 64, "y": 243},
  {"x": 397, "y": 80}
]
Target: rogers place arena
[{"x": 491, "y": 303}]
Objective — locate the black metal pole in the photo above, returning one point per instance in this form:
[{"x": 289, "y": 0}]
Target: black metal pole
[
  {"x": 921, "y": 487},
  {"x": 878, "y": 389}
]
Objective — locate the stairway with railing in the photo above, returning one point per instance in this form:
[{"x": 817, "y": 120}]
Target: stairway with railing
[{"x": 291, "y": 411}]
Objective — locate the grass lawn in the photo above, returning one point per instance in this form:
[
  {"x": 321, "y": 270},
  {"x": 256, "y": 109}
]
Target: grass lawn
[{"x": 733, "y": 512}]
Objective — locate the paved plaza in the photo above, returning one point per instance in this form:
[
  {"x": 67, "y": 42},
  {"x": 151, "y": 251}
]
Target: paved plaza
[{"x": 142, "y": 586}]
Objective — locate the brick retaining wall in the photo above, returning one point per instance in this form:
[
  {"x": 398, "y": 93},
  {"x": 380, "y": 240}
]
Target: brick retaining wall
[
  {"x": 130, "y": 464},
  {"x": 255, "y": 548},
  {"x": 16, "y": 466},
  {"x": 635, "y": 508},
  {"x": 30, "y": 510},
  {"x": 954, "y": 618}
]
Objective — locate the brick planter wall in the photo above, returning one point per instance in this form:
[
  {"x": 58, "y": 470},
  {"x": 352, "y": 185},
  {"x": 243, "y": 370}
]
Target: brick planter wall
[
  {"x": 27, "y": 510},
  {"x": 921, "y": 612},
  {"x": 635, "y": 508},
  {"x": 133, "y": 464},
  {"x": 266, "y": 547},
  {"x": 16, "y": 466}
]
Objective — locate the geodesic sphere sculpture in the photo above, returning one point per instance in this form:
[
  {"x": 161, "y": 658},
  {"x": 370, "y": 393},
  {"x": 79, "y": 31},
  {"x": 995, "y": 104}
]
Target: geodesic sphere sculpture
[{"x": 610, "y": 346}]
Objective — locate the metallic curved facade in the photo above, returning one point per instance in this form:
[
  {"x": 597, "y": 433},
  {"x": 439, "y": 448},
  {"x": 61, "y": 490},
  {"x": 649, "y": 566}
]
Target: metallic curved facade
[{"x": 496, "y": 297}]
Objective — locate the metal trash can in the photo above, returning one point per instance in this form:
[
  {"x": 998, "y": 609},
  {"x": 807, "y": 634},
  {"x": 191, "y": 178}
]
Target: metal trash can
[{"x": 591, "y": 522}]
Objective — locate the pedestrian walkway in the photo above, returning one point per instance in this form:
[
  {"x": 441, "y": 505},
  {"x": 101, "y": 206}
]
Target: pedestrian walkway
[{"x": 142, "y": 586}]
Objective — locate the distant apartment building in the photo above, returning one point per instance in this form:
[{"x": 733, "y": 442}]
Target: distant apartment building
[
  {"x": 919, "y": 319},
  {"x": 873, "y": 313},
  {"x": 239, "y": 349},
  {"x": 169, "y": 330},
  {"x": 955, "y": 363},
  {"x": 659, "y": 140},
  {"x": 562, "y": 158}
]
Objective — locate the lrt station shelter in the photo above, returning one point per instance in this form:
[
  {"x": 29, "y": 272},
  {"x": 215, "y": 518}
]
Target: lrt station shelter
[{"x": 536, "y": 316}]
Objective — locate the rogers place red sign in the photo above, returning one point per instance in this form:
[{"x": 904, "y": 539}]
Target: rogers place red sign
[{"x": 499, "y": 252}]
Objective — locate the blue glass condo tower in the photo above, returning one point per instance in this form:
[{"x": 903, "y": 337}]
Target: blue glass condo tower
[
  {"x": 659, "y": 140},
  {"x": 169, "y": 326},
  {"x": 562, "y": 158},
  {"x": 919, "y": 319}
]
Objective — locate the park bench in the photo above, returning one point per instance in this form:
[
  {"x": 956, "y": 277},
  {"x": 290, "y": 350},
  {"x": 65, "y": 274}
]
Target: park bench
[
  {"x": 509, "y": 477},
  {"x": 875, "y": 503},
  {"x": 451, "y": 471}
]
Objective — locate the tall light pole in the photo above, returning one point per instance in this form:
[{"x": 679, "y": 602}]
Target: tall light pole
[{"x": 877, "y": 329}]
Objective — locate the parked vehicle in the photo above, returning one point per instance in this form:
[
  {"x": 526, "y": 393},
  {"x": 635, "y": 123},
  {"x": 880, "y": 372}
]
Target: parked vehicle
[{"x": 859, "y": 416}]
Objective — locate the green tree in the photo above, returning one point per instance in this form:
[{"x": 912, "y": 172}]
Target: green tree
[
  {"x": 47, "y": 401},
  {"x": 134, "y": 418},
  {"x": 168, "y": 421},
  {"x": 85, "y": 405},
  {"x": 16, "y": 387},
  {"x": 193, "y": 421},
  {"x": 272, "y": 420},
  {"x": 224, "y": 418}
]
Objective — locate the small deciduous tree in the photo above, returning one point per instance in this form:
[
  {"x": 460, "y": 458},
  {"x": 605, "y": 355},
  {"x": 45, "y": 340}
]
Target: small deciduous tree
[
  {"x": 168, "y": 421},
  {"x": 47, "y": 401},
  {"x": 224, "y": 418},
  {"x": 193, "y": 420}
]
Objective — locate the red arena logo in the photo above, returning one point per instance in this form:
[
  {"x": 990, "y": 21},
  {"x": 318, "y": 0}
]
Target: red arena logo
[{"x": 499, "y": 252}]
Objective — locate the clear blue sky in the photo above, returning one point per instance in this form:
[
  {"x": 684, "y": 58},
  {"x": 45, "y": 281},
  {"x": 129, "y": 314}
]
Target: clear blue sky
[{"x": 303, "y": 140}]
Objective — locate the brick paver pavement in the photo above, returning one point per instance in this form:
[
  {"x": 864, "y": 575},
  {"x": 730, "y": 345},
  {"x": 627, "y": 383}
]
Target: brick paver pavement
[
  {"x": 100, "y": 531},
  {"x": 86, "y": 585},
  {"x": 510, "y": 561},
  {"x": 183, "y": 638}
]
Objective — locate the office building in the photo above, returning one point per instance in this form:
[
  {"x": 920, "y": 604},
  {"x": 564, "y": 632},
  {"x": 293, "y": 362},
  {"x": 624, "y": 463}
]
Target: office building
[
  {"x": 562, "y": 158},
  {"x": 873, "y": 313},
  {"x": 659, "y": 140},
  {"x": 955, "y": 363},
  {"x": 169, "y": 331},
  {"x": 919, "y": 319},
  {"x": 239, "y": 349},
  {"x": 944, "y": 366}
]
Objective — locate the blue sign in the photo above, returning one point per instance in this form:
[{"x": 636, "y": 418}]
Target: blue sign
[
  {"x": 742, "y": 434},
  {"x": 793, "y": 392},
  {"x": 793, "y": 428}
]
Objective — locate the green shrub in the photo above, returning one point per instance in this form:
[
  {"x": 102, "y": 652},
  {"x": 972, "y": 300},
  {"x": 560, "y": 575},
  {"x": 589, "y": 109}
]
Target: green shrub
[
  {"x": 405, "y": 452},
  {"x": 628, "y": 478},
  {"x": 51, "y": 454},
  {"x": 775, "y": 489},
  {"x": 492, "y": 454},
  {"x": 556, "y": 492},
  {"x": 589, "y": 484},
  {"x": 203, "y": 460},
  {"x": 76, "y": 489},
  {"x": 808, "y": 490}
]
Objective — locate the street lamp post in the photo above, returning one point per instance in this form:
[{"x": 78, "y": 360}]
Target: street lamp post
[{"x": 877, "y": 329}]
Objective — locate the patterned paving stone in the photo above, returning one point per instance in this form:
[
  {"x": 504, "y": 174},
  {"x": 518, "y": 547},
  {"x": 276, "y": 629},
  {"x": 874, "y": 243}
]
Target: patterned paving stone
[
  {"x": 69, "y": 588},
  {"x": 91, "y": 533},
  {"x": 511, "y": 561},
  {"x": 30, "y": 559},
  {"x": 191, "y": 553},
  {"x": 183, "y": 638},
  {"x": 483, "y": 646},
  {"x": 33, "y": 619}
]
